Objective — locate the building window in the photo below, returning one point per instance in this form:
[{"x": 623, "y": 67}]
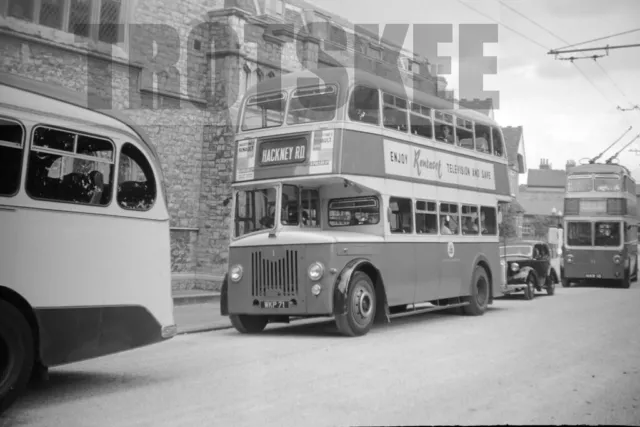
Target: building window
[{"x": 74, "y": 16}]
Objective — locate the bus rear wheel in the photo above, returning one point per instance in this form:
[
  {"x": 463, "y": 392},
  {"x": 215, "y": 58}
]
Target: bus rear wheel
[
  {"x": 361, "y": 307},
  {"x": 479, "y": 298},
  {"x": 248, "y": 324},
  {"x": 16, "y": 354}
]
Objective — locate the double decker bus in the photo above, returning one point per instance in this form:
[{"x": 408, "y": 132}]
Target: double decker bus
[
  {"x": 356, "y": 200},
  {"x": 601, "y": 225},
  {"x": 84, "y": 234}
]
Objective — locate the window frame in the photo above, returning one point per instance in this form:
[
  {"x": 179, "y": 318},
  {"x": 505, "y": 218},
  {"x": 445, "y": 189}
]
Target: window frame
[
  {"x": 411, "y": 112},
  {"x": 94, "y": 20},
  {"x": 352, "y": 91},
  {"x": 322, "y": 86},
  {"x": 425, "y": 212},
  {"x": 52, "y": 151},
  {"x": 456, "y": 125},
  {"x": 397, "y": 108},
  {"x": 285, "y": 99},
  {"x": 330, "y": 202},
  {"x": 458, "y": 217},
  {"x": 157, "y": 183},
  {"x": 22, "y": 147},
  {"x": 411, "y": 215}
]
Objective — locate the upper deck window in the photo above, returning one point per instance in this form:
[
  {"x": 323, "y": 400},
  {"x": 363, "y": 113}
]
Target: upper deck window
[
  {"x": 577, "y": 184},
  {"x": 264, "y": 111},
  {"x": 498, "y": 143},
  {"x": 395, "y": 113},
  {"x": 609, "y": 183},
  {"x": 11, "y": 137},
  {"x": 464, "y": 133},
  {"x": 483, "y": 138},
  {"x": 421, "y": 122},
  {"x": 312, "y": 104},
  {"x": 444, "y": 127},
  {"x": 364, "y": 105}
]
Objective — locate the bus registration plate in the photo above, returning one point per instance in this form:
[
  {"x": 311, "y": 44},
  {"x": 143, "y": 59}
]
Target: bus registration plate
[
  {"x": 274, "y": 304},
  {"x": 593, "y": 276}
]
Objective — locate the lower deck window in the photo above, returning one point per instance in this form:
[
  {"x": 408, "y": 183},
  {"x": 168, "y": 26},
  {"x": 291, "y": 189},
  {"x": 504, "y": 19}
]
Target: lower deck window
[
  {"x": 354, "y": 211},
  {"x": 401, "y": 215}
]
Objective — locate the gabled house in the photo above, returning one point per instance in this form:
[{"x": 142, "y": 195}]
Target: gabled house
[{"x": 514, "y": 141}]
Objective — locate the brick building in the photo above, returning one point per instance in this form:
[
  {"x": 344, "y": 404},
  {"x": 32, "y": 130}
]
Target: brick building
[{"x": 178, "y": 68}]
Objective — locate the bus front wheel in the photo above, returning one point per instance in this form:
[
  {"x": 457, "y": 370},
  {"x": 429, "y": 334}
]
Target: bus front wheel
[
  {"x": 248, "y": 324},
  {"x": 479, "y": 298},
  {"x": 361, "y": 307},
  {"x": 16, "y": 354}
]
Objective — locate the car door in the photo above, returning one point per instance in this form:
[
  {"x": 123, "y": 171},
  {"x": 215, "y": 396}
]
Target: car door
[
  {"x": 539, "y": 263},
  {"x": 545, "y": 262}
]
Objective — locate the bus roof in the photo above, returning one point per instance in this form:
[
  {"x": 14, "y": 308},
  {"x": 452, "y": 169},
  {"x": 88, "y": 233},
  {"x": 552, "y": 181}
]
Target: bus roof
[
  {"x": 345, "y": 76},
  {"x": 61, "y": 94},
  {"x": 599, "y": 168}
]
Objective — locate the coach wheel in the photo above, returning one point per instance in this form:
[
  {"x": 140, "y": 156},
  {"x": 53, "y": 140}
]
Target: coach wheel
[
  {"x": 361, "y": 307},
  {"x": 16, "y": 354},
  {"x": 248, "y": 324},
  {"x": 530, "y": 290},
  {"x": 479, "y": 299},
  {"x": 625, "y": 283}
]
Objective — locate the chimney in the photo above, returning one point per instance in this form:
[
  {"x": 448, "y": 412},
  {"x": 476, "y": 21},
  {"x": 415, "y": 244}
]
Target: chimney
[
  {"x": 544, "y": 164},
  {"x": 570, "y": 164}
]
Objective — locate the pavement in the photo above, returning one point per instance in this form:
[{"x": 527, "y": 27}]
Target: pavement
[
  {"x": 198, "y": 311},
  {"x": 566, "y": 359}
]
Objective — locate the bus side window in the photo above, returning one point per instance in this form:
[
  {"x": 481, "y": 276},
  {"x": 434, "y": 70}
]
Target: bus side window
[
  {"x": 498, "y": 149},
  {"x": 470, "y": 220},
  {"x": 426, "y": 217},
  {"x": 449, "y": 219},
  {"x": 310, "y": 208},
  {"x": 65, "y": 166},
  {"x": 401, "y": 215},
  {"x": 136, "y": 183},
  {"x": 11, "y": 149},
  {"x": 488, "y": 220},
  {"x": 364, "y": 105}
]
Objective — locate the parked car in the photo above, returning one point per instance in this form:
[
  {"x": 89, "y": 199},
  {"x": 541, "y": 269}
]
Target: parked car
[{"x": 531, "y": 266}]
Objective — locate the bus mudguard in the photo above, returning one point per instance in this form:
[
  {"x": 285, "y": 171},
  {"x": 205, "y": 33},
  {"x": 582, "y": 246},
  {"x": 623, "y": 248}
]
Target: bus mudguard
[
  {"x": 341, "y": 289},
  {"x": 224, "y": 296}
]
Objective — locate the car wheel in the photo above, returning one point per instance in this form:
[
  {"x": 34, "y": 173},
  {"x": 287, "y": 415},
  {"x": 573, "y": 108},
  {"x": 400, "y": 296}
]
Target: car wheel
[
  {"x": 550, "y": 284},
  {"x": 529, "y": 291}
]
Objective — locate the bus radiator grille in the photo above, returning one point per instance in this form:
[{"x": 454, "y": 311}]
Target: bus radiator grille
[{"x": 274, "y": 277}]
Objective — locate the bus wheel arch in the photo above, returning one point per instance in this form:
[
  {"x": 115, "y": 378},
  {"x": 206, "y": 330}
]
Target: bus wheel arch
[
  {"x": 18, "y": 326},
  {"x": 354, "y": 269}
]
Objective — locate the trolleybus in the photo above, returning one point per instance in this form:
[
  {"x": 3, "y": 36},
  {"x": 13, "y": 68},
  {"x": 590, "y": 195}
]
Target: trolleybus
[
  {"x": 600, "y": 222},
  {"x": 84, "y": 234},
  {"x": 355, "y": 199}
]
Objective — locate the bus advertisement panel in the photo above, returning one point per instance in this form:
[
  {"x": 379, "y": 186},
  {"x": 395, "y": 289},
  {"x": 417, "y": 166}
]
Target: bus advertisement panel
[
  {"x": 600, "y": 220},
  {"x": 361, "y": 206}
]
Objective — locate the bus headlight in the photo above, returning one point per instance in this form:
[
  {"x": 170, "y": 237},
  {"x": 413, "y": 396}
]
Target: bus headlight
[
  {"x": 316, "y": 270},
  {"x": 515, "y": 267},
  {"x": 617, "y": 259},
  {"x": 235, "y": 273}
]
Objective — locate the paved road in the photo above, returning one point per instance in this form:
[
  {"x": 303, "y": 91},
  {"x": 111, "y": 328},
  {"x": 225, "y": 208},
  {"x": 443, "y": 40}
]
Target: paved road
[{"x": 567, "y": 359}]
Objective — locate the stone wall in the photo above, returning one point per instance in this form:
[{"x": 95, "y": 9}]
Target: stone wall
[{"x": 180, "y": 73}]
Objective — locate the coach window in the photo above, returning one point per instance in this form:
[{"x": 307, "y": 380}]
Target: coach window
[
  {"x": 444, "y": 127},
  {"x": 264, "y": 111},
  {"x": 354, "y": 211},
  {"x": 11, "y": 148},
  {"x": 464, "y": 133},
  {"x": 310, "y": 208},
  {"x": 488, "y": 220},
  {"x": 470, "y": 221},
  {"x": 136, "y": 183},
  {"x": 483, "y": 138},
  {"x": 364, "y": 105},
  {"x": 65, "y": 166},
  {"x": 395, "y": 113},
  {"x": 401, "y": 216},
  {"x": 421, "y": 123},
  {"x": 449, "y": 218},
  {"x": 426, "y": 217},
  {"x": 498, "y": 145}
]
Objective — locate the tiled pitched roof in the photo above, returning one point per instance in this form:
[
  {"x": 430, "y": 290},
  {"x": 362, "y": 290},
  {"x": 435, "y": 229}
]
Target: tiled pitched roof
[
  {"x": 533, "y": 204},
  {"x": 546, "y": 178},
  {"x": 512, "y": 136}
]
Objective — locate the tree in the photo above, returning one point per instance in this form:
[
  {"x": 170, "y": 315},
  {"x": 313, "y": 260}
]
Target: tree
[{"x": 508, "y": 226}]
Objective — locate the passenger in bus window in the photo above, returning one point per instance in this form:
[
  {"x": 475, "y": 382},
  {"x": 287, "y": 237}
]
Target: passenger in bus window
[
  {"x": 482, "y": 143},
  {"x": 470, "y": 226},
  {"x": 445, "y": 134},
  {"x": 444, "y": 229}
]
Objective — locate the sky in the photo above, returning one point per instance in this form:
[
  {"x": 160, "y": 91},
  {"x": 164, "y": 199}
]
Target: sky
[{"x": 567, "y": 110}]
